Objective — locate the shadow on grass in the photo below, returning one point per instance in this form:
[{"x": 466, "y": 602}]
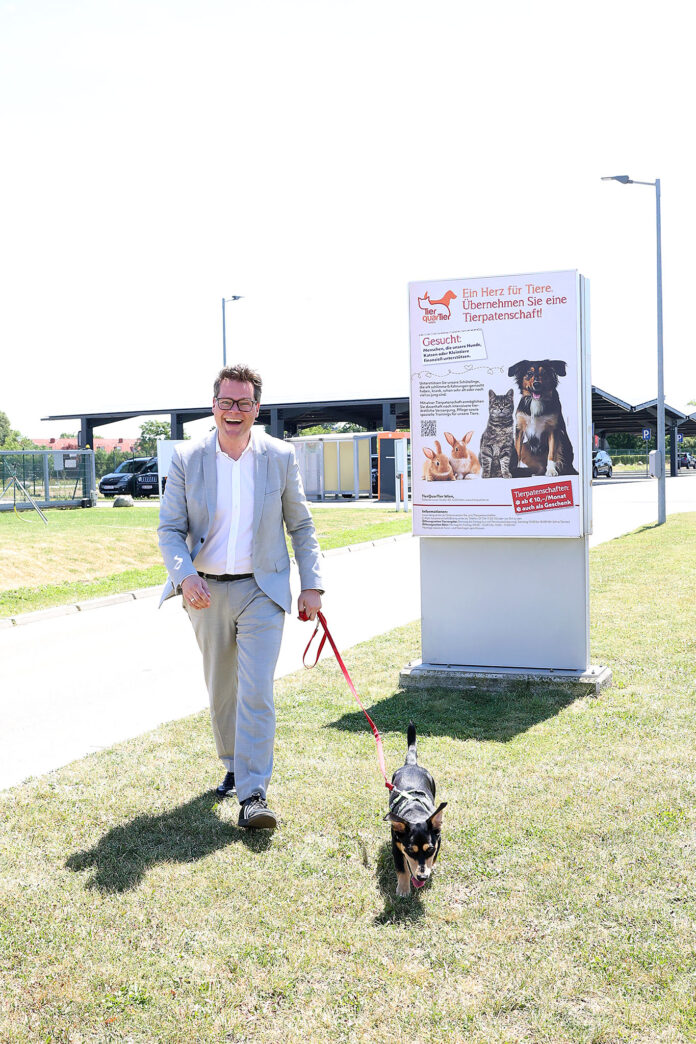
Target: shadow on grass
[
  {"x": 497, "y": 717},
  {"x": 122, "y": 856},
  {"x": 396, "y": 910}
]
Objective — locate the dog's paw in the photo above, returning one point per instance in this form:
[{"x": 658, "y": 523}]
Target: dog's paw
[
  {"x": 403, "y": 885},
  {"x": 551, "y": 469}
]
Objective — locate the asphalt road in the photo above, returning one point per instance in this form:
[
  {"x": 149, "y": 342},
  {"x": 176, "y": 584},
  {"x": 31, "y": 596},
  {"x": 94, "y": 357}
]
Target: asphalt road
[{"x": 75, "y": 683}]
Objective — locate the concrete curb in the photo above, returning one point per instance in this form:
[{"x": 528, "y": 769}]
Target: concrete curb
[
  {"x": 421, "y": 675},
  {"x": 22, "y": 619}
]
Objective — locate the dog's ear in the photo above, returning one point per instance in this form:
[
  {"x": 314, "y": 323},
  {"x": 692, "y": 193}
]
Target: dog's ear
[
  {"x": 558, "y": 365},
  {"x": 435, "y": 821},
  {"x": 518, "y": 368},
  {"x": 397, "y": 822}
]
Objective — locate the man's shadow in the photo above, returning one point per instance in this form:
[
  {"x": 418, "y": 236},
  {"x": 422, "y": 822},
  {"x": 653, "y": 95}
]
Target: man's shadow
[
  {"x": 122, "y": 856},
  {"x": 462, "y": 715}
]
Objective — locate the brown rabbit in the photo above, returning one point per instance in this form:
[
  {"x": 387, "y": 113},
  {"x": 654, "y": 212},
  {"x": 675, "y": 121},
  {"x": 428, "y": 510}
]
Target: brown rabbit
[
  {"x": 437, "y": 467},
  {"x": 465, "y": 463}
]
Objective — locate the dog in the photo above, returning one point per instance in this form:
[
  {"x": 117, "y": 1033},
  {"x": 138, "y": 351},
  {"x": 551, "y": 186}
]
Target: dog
[
  {"x": 426, "y": 305},
  {"x": 415, "y": 822},
  {"x": 541, "y": 440}
]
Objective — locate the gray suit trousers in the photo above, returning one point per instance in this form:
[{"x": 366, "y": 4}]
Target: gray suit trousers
[{"x": 239, "y": 635}]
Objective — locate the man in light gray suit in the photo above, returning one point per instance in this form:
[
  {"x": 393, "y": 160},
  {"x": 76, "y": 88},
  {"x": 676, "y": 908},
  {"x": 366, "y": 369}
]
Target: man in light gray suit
[{"x": 222, "y": 539}]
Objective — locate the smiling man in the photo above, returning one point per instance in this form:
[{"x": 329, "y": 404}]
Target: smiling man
[{"x": 223, "y": 543}]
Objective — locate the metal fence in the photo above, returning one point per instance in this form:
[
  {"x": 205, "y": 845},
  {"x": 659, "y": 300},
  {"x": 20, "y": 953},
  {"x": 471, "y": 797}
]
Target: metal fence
[{"x": 51, "y": 478}]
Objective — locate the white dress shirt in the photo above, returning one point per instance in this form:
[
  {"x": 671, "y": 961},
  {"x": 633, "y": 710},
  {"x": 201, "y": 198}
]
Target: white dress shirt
[{"x": 228, "y": 546}]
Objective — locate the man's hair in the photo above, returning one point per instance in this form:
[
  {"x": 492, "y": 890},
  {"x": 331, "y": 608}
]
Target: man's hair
[{"x": 241, "y": 373}]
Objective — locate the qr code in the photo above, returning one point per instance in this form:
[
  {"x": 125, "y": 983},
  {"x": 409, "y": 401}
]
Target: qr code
[{"x": 428, "y": 429}]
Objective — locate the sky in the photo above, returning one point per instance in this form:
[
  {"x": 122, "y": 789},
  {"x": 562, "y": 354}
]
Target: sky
[{"x": 314, "y": 156}]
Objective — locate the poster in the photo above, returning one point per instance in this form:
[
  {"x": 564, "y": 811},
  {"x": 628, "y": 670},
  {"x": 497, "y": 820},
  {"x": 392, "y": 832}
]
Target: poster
[{"x": 496, "y": 408}]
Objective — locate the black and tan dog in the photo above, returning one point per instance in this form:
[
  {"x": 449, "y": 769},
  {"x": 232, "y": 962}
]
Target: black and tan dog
[
  {"x": 541, "y": 445},
  {"x": 415, "y": 821}
]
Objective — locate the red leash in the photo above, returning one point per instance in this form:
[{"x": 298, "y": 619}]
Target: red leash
[{"x": 327, "y": 634}]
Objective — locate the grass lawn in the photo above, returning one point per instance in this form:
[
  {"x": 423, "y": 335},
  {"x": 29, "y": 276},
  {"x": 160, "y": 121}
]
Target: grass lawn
[
  {"x": 563, "y": 909},
  {"x": 92, "y": 553}
]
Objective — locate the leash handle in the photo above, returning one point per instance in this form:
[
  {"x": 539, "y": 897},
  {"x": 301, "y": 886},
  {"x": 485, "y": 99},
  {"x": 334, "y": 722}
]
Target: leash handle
[{"x": 321, "y": 620}]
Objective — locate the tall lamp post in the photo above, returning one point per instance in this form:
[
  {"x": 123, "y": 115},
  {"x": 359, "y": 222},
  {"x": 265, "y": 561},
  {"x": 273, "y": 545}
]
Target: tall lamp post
[
  {"x": 225, "y": 300},
  {"x": 661, "y": 487}
]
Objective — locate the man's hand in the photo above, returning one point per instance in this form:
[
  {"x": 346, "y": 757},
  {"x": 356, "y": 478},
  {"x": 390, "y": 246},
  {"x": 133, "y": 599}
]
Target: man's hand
[
  {"x": 309, "y": 602},
  {"x": 195, "y": 591}
]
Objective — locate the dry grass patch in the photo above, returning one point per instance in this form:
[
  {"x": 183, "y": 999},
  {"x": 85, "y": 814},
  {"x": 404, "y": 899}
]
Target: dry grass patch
[{"x": 86, "y": 554}]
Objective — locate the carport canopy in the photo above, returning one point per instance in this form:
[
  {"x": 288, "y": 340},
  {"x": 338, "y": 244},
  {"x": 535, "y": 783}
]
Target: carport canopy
[{"x": 610, "y": 415}]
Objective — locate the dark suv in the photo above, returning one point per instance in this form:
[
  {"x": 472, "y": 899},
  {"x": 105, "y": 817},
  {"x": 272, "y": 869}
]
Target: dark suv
[
  {"x": 685, "y": 460},
  {"x": 602, "y": 464},
  {"x": 146, "y": 482},
  {"x": 122, "y": 480}
]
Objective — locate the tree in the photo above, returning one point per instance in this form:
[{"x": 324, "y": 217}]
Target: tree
[
  {"x": 10, "y": 439},
  {"x": 341, "y": 428},
  {"x": 150, "y": 432}
]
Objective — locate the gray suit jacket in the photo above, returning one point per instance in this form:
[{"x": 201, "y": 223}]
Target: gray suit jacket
[{"x": 188, "y": 508}]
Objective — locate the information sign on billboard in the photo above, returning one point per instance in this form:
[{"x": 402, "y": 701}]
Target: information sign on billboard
[{"x": 496, "y": 406}]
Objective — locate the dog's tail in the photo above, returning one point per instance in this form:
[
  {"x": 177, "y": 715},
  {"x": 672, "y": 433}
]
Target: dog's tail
[{"x": 411, "y": 753}]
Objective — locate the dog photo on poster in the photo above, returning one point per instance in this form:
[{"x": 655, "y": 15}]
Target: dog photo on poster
[{"x": 496, "y": 426}]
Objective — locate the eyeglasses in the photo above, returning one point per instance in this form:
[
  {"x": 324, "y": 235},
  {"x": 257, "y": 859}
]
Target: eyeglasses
[{"x": 245, "y": 405}]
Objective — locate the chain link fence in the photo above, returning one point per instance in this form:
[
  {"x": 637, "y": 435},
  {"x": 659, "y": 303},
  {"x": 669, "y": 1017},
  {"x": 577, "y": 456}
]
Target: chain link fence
[{"x": 51, "y": 478}]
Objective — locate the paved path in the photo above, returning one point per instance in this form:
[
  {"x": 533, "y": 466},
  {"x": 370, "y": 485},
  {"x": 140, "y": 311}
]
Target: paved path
[{"x": 75, "y": 683}]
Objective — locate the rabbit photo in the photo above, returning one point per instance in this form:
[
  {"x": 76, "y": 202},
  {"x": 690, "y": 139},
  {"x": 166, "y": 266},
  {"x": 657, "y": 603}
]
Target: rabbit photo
[
  {"x": 464, "y": 462},
  {"x": 437, "y": 467}
]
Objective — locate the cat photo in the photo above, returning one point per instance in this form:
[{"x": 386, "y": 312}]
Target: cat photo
[{"x": 497, "y": 441}]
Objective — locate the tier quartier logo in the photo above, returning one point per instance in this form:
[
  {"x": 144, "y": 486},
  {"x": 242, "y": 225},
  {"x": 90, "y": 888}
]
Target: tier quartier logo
[{"x": 434, "y": 311}]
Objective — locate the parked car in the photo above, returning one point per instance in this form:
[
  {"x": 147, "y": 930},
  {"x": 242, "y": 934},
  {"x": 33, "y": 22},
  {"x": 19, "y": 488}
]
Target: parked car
[
  {"x": 122, "y": 480},
  {"x": 685, "y": 460},
  {"x": 146, "y": 482},
  {"x": 601, "y": 464}
]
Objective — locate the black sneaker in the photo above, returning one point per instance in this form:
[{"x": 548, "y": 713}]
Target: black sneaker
[
  {"x": 256, "y": 815},
  {"x": 227, "y": 785}
]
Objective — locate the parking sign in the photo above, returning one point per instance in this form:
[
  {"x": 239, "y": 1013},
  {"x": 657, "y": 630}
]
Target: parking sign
[{"x": 646, "y": 434}]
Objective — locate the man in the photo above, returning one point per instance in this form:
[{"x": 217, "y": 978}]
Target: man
[{"x": 222, "y": 540}]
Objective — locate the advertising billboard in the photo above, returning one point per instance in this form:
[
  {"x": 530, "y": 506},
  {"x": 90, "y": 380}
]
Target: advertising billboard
[{"x": 496, "y": 406}]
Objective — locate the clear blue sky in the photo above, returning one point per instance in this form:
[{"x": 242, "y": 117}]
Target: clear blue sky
[{"x": 315, "y": 156}]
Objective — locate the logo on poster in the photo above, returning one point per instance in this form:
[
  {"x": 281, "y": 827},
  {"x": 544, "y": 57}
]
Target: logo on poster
[{"x": 434, "y": 311}]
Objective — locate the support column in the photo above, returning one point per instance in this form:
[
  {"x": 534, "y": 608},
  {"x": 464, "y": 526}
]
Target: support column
[
  {"x": 277, "y": 423},
  {"x": 388, "y": 416},
  {"x": 86, "y": 433},
  {"x": 673, "y": 450}
]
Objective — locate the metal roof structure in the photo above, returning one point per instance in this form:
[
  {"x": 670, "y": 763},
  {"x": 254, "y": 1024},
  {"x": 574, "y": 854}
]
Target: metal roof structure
[
  {"x": 280, "y": 418},
  {"x": 609, "y": 414}
]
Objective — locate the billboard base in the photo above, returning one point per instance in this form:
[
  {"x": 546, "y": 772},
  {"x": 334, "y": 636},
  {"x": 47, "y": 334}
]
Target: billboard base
[{"x": 419, "y": 675}]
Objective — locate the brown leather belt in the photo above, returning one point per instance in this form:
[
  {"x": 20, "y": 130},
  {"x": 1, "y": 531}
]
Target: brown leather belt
[{"x": 225, "y": 578}]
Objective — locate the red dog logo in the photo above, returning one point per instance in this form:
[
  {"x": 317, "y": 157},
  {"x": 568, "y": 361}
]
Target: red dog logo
[{"x": 435, "y": 310}]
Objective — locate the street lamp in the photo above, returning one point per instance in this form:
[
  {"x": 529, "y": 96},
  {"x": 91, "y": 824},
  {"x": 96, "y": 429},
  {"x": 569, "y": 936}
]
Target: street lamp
[
  {"x": 661, "y": 497},
  {"x": 225, "y": 300}
]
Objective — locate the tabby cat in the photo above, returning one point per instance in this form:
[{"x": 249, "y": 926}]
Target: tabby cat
[{"x": 497, "y": 440}]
